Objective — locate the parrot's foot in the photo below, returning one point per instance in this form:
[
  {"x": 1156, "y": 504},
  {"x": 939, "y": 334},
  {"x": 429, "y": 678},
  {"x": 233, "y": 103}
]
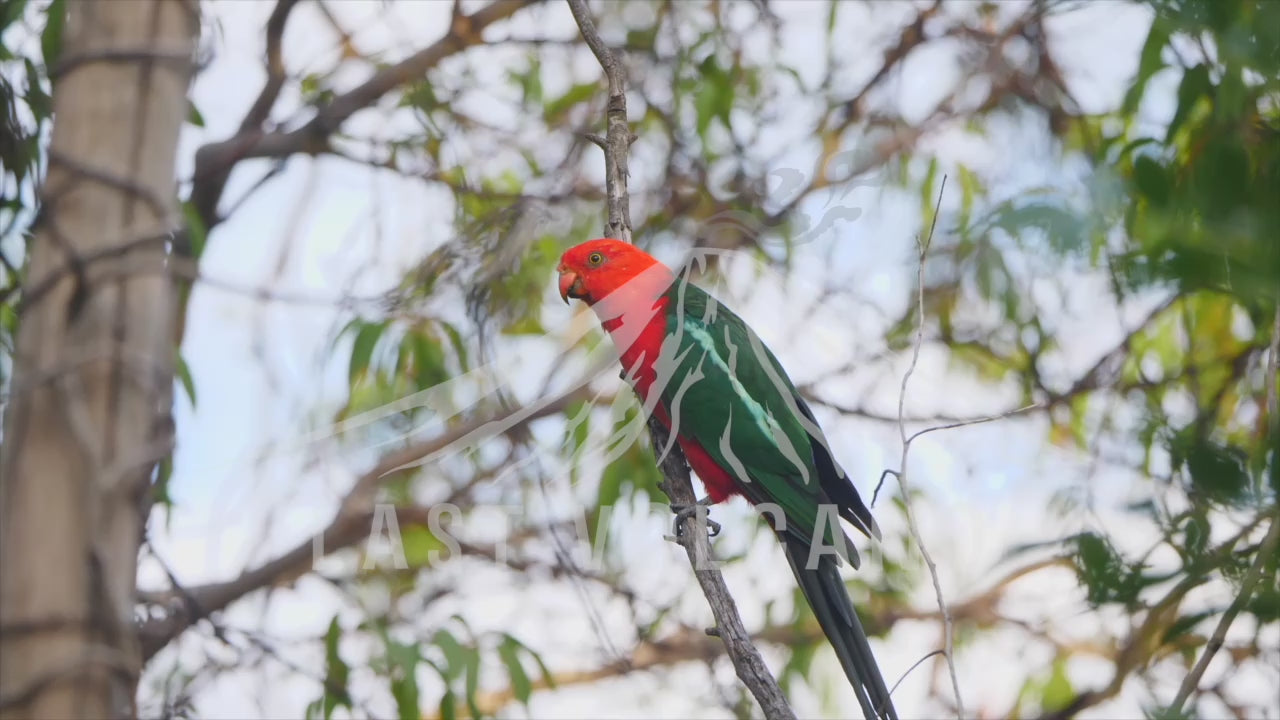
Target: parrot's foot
[{"x": 684, "y": 512}]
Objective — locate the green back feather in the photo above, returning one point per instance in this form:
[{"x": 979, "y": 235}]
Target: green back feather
[{"x": 725, "y": 389}]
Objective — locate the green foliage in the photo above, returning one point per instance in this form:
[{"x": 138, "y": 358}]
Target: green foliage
[
  {"x": 714, "y": 97},
  {"x": 521, "y": 289},
  {"x": 1185, "y": 211},
  {"x": 184, "y": 376},
  {"x": 366, "y": 337},
  {"x": 577, "y": 431},
  {"x": 1050, "y": 692},
  {"x": 634, "y": 471},
  {"x": 799, "y": 661},
  {"x": 1203, "y": 213},
  {"x": 196, "y": 231},
  {"x": 51, "y": 36},
  {"x": 458, "y": 664},
  {"x": 421, "y": 545},
  {"x": 334, "y": 693},
  {"x": 555, "y": 110},
  {"x": 402, "y": 664},
  {"x": 392, "y": 359},
  {"x": 631, "y": 473},
  {"x": 1105, "y": 573},
  {"x": 1217, "y": 472},
  {"x": 26, "y": 113}
]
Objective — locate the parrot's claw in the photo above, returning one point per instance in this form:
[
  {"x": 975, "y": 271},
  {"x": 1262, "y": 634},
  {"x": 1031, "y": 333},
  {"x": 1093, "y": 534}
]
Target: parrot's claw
[{"x": 684, "y": 512}]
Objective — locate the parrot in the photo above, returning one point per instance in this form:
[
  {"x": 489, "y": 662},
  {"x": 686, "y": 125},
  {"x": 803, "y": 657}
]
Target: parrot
[{"x": 745, "y": 430}]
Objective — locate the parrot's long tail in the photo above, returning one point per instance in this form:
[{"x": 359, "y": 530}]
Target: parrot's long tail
[{"x": 829, "y": 598}]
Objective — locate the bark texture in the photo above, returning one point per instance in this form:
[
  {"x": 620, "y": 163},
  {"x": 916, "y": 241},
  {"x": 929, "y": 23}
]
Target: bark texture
[{"x": 88, "y": 416}]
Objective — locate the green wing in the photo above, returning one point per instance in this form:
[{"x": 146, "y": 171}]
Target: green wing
[{"x": 724, "y": 389}]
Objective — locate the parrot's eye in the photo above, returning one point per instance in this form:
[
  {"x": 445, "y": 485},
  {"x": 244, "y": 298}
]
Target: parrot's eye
[{"x": 595, "y": 258}]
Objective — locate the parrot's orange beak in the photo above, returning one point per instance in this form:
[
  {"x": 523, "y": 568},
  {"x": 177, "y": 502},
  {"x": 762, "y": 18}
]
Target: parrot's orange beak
[{"x": 570, "y": 285}]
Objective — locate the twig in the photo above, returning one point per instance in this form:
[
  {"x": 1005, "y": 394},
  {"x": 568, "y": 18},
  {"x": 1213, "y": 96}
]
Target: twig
[
  {"x": 1273, "y": 388},
  {"x": 1269, "y": 544},
  {"x": 973, "y": 421},
  {"x": 911, "y": 669},
  {"x": 1141, "y": 642},
  {"x": 261, "y": 109},
  {"x": 949, "y": 426},
  {"x": 348, "y": 526},
  {"x": 617, "y": 139},
  {"x": 1265, "y": 552},
  {"x": 947, "y": 625},
  {"x": 214, "y": 161}
]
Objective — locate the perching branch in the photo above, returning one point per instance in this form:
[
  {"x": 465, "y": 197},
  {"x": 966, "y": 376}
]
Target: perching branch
[
  {"x": 617, "y": 140},
  {"x": 677, "y": 484},
  {"x": 947, "y": 624},
  {"x": 693, "y": 538}
]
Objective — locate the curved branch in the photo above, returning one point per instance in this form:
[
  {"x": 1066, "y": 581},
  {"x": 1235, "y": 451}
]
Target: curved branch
[
  {"x": 261, "y": 108},
  {"x": 349, "y": 525},
  {"x": 214, "y": 161}
]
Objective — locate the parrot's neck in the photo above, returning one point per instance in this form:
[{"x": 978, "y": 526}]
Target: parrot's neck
[{"x": 635, "y": 316}]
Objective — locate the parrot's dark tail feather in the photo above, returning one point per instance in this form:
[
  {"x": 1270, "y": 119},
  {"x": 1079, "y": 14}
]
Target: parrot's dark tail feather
[{"x": 829, "y": 598}]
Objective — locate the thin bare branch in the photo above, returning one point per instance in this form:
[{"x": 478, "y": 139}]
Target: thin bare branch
[
  {"x": 947, "y": 624},
  {"x": 746, "y": 658},
  {"x": 618, "y": 136},
  {"x": 1265, "y": 553},
  {"x": 214, "y": 161},
  {"x": 261, "y": 109},
  {"x": 1269, "y": 543},
  {"x": 348, "y": 526},
  {"x": 677, "y": 484},
  {"x": 974, "y": 421}
]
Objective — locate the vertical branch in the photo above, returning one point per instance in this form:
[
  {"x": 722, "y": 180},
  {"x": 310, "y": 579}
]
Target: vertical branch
[
  {"x": 947, "y": 624},
  {"x": 1273, "y": 393},
  {"x": 617, "y": 139},
  {"x": 678, "y": 486},
  {"x": 746, "y": 659}
]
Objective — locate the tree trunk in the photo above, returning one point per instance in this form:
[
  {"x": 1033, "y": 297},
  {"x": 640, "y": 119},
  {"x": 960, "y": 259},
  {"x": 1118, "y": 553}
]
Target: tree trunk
[{"x": 88, "y": 416}]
